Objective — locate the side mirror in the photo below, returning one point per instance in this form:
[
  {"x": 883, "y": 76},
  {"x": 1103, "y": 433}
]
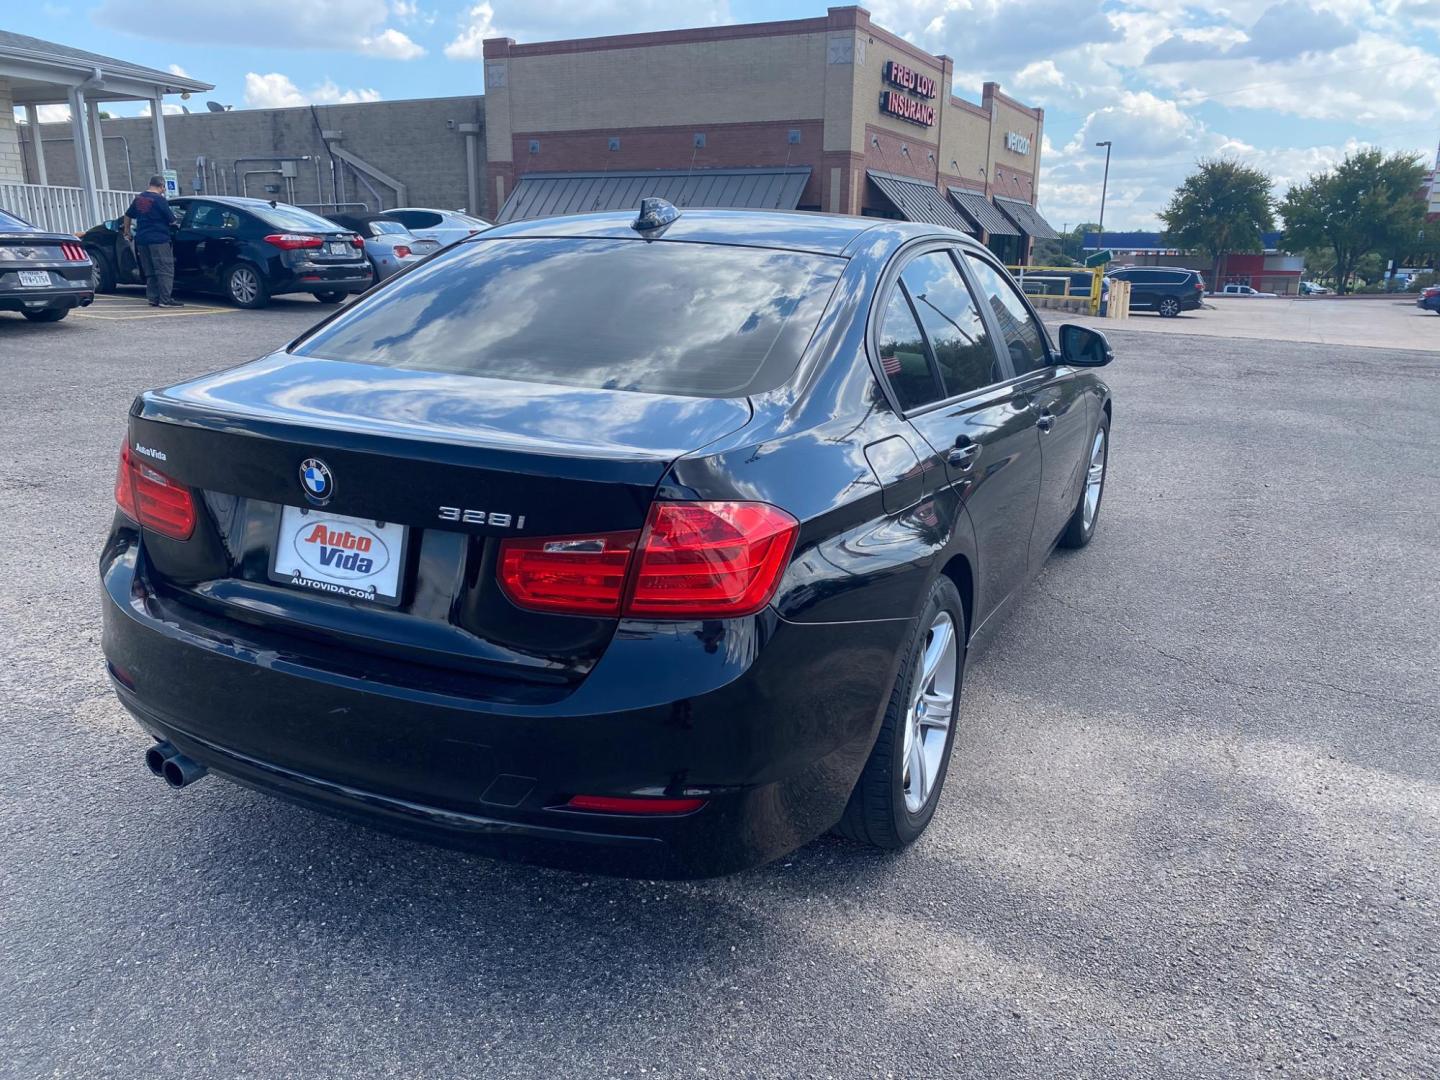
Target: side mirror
[{"x": 1081, "y": 346}]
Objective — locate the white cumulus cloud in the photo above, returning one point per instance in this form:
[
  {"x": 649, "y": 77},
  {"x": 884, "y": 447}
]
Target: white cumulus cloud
[{"x": 277, "y": 91}]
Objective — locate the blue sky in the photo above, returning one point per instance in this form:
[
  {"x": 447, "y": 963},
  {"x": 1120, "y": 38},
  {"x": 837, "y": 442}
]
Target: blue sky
[{"x": 1288, "y": 85}]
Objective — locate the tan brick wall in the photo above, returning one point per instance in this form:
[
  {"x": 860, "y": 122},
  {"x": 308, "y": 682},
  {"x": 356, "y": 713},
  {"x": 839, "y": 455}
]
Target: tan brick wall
[{"x": 11, "y": 166}]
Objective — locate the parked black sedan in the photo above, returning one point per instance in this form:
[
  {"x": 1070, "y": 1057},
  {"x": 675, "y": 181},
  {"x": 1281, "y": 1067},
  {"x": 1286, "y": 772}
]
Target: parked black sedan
[
  {"x": 43, "y": 275},
  {"x": 651, "y": 545},
  {"x": 245, "y": 249}
]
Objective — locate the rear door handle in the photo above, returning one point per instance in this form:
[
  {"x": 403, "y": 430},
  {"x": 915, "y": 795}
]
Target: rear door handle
[
  {"x": 1046, "y": 420},
  {"x": 964, "y": 454}
]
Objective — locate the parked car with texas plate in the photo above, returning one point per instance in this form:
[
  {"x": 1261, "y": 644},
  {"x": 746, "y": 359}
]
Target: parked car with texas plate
[
  {"x": 443, "y": 226},
  {"x": 671, "y": 603},
  {"x": 246, "y": 250},
  {"x": 389, "y": 246},
  {"x": 43, "y": 275}
]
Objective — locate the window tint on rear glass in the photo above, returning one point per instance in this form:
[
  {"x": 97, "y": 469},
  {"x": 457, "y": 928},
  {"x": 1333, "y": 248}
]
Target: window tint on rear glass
[
  {"x": 292, "y": 218},
  {"x": 903, "y": 355},
  {"x": 10, "y": 221},
  {"x": 956, "y": 332},
  {"x": 700, "y": 320}
]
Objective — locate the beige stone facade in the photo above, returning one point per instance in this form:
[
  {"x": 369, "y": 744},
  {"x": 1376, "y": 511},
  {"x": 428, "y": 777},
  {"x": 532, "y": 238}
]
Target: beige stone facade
[
  {"x": 803, "y": 92},
  {"x": 11, "y": 166}
]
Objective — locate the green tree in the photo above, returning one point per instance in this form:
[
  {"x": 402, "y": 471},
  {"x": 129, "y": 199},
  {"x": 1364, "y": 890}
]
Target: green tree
[
  {"x": 1223, "y": 206},
  {"x": 1368, "y": 204}
]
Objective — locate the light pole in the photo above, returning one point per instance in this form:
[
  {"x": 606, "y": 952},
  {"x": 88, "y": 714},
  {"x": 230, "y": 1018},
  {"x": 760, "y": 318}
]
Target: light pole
[{"x": 1104, "y": 184}]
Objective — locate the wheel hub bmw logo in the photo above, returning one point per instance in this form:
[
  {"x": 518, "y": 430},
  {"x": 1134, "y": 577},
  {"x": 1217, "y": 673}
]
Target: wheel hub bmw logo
[{"x": 316, "y": 481}]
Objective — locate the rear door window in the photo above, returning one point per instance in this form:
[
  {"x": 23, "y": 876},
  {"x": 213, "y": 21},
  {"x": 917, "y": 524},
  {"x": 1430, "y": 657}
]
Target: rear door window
[
  {"x": 963, "y": 351},
  {"x": 903, "y": 355},
  {"x": 701, "y": 320}
]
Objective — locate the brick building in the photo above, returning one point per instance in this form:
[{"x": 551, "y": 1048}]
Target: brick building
[{"x": 831, "y": 113}]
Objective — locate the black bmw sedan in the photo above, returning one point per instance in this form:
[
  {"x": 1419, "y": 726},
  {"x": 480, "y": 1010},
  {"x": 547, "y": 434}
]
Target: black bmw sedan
[{"x": 647, "y": 545}]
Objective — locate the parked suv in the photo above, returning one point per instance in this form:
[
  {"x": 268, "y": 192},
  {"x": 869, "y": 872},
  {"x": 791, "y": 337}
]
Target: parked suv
[
  {"x": 246, "y": 249},
  {"x": 1167, "y": 290}
]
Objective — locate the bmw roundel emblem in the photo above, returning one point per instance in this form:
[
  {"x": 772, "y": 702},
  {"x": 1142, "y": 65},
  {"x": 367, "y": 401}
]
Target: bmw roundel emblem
[{"x": 316, "y": 481}]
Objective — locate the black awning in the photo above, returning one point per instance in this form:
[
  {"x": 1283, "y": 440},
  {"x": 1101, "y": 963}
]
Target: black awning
[
  {"x": 539, "y": 195},
  {"x": 916, "y": 200},
  {"x": 1027, "y": 218},
  {"x": 982, "y": 212}
]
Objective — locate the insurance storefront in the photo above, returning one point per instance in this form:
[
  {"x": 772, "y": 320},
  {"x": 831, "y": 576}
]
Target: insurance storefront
[{"x": 832, "y": 113}]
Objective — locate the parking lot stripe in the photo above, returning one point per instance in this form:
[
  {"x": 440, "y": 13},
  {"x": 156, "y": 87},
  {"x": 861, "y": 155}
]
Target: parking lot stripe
[{"x": 152, "y": 314}]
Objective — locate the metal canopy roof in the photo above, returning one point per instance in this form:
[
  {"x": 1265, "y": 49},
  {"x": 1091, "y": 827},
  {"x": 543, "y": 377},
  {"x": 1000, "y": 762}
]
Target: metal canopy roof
[
  {"x": 37, "y": 67},
  {"x": 552, "y": 194},
  {"x": 918, "y": 201},
  {"x": 982, "y": 211},
  {"x": 1027, "y": 217}
]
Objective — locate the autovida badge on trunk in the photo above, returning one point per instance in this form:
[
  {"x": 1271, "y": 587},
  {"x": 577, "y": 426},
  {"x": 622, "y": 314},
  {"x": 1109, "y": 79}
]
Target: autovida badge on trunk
[{"x": 316, "y": 481}]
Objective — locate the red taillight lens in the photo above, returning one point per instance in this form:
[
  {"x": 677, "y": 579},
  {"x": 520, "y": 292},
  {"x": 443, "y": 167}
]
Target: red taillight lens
[
  {"x": 401, "y": 251},
  {"x": 153, "y": 499},
  {"x": 695, "y": 560},
  {"x": 605, "y": 804},
  {"x": 575, "y": 575},
  {"x": 715, "y": 559},
  {"x": 292, "y": 241},
  {"x": 357, "y": 241},
  {"x": 73, "y": 252}
]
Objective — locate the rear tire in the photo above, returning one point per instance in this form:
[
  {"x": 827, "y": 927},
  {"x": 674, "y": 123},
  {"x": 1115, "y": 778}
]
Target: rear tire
[
  {"x": 1168, "y": 307},
  {"x": 1080, "y": 529},
  {"x": 900, "y": 786},
  {"x": 49, "y": 314},
  {"x": 330, "y": 297},
  {"x": 245, "y": 286}
]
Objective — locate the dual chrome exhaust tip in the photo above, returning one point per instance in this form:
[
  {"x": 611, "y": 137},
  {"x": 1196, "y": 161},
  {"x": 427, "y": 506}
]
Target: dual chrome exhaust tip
[{"x": 177, "y": 770}]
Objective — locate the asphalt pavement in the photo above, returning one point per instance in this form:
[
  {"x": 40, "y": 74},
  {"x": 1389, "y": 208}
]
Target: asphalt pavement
[{"x": 1192, "y": 826}]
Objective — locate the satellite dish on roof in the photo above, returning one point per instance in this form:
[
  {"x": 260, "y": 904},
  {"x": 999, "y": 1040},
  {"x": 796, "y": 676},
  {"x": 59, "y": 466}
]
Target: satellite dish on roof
[{"x": 214, "y": 106}]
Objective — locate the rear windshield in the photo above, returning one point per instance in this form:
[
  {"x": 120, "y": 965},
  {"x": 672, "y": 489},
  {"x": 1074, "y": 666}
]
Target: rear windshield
[
  {"x": 293, "y": 218},
  {"x": 701, "y": 320},
  {"x": 10, "y": 221}
]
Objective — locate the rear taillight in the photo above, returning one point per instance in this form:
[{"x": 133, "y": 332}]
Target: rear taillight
[
  {"x": 148, "y": 496},
  {"x": 292, "y": 241},
  {"x": 74, "y": 252},
  {"x": 693, "y": 560},
  {"x": 357, "y": 241},
  {"x": 401, "y": 251}
]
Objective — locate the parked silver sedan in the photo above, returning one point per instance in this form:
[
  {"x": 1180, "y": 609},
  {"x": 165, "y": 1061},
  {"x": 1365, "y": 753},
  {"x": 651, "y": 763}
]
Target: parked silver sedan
[
  {"x": 446, "y": 226},
  {"x": 389, "y": 246}
]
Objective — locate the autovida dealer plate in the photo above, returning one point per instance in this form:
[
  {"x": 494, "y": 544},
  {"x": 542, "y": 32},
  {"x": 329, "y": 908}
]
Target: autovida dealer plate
[{"x": 339, "y": 556}]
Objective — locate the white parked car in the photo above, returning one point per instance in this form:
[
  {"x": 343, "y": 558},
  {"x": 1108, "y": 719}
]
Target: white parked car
[
  {"x": 1242, "y": 290},
  {"x": 446, "y": 226}
]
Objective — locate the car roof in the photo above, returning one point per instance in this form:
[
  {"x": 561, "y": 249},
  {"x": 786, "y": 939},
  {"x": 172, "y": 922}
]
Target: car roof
[{"x": 825, "y": 234}]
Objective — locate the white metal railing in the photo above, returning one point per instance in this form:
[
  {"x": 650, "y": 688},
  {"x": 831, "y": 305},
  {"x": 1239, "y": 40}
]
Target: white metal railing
[{"x": 60, "y": 209}]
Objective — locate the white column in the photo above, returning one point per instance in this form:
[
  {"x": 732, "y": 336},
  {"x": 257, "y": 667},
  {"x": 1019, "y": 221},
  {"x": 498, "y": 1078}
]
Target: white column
[
  {"x": 157, "y": 120},
  {"x": 32, "y": 116},
  {"x": 102, "y": 167},
  {"x": 84, "y": 160}
]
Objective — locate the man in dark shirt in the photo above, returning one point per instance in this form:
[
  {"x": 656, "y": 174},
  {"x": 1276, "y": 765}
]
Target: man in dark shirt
[{"x": 153, "y": 218}]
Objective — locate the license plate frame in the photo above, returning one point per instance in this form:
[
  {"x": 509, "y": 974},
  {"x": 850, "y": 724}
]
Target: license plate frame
[
  {"x": 298, "y": 562},
  {"x": 337, "y": 247},
  {"x": 34, "y": 279}
]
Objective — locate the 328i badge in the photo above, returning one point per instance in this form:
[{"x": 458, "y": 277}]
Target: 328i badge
[{"x": 751, "y": 532}]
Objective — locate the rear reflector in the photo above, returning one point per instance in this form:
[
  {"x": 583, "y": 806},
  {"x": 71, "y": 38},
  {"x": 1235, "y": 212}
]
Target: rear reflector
[
  {"x": 292, "y": 241},
  {"x": 695, "y": 560},
  {"x": 605, "y": 804},
  {"x": 153, "y": 499}
]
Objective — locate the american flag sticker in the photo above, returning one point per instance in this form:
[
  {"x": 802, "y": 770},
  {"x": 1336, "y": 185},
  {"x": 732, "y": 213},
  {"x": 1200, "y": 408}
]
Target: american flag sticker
[{"x": 890, "y": 364}]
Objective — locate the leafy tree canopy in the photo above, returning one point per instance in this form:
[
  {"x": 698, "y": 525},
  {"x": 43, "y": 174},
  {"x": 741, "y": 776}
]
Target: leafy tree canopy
[{"x": 1223, "y": 206}]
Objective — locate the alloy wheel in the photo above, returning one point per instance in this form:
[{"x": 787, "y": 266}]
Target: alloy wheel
[
  {"x": 244, "y": 285},
  {"x": 1169, "y": 307},
  {"x": 1095, "y": 478},
  {"x": 932, "y": 710}
]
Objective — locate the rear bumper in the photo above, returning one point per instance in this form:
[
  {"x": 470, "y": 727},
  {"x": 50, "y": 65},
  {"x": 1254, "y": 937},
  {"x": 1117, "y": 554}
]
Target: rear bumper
[
  {"x": 320, "y": 277},
  {"x": 770, "y": 722},
  {"x": 73, "y": 293}
]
